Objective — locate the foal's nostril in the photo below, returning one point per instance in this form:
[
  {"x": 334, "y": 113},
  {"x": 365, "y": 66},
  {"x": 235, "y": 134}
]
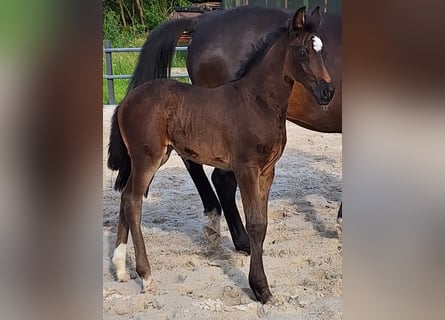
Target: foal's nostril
[
  {"x": 328, "y": 92},
  {"x": 331, "y": 91},
  {"x": 325, "y": 94}
]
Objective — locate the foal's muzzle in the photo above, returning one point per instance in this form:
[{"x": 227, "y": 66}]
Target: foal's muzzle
[{"x": 323, "y": 91}]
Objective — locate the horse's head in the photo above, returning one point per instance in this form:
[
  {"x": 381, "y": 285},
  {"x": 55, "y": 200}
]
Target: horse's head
[{"x": 304, "y": 61}]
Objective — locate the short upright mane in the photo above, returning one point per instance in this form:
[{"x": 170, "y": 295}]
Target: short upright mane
[{"x": 259, "y": 50}]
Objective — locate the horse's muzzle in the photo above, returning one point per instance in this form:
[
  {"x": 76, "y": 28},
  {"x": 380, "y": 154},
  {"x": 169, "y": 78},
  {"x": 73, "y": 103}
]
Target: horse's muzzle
[{"x": 323, "y": 91}]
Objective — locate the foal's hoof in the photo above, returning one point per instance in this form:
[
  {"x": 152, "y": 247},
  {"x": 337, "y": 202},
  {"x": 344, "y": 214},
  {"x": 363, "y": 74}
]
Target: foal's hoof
[
  {"x": 266, "y": 298},
  {"x": 147, "y": 285},
  {"x": 211, "y": 235},
  {"x": 263, "y": 297},
  {"x": 339, "y": 227},
  {"x": 122, "y": 276},
  {"x": 340, "y": 223}
]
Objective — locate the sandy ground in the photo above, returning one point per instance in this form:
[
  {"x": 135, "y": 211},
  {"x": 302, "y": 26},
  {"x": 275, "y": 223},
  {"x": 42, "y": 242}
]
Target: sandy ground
[{"x": 302, "y": 257}]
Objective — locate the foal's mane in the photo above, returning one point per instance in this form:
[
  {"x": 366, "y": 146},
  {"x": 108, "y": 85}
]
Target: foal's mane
[
  {"x": 260, "y": 49},
  {"x": 258, "y": 52}
]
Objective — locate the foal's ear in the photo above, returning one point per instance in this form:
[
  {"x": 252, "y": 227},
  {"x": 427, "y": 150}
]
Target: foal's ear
[
  {"x": 298, "y": 19},
  {"x": 316, "y": 17}
]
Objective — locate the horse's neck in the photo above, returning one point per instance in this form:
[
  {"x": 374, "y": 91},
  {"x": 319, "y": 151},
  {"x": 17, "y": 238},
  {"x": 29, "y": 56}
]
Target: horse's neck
[{"x": 267, "y": 78}]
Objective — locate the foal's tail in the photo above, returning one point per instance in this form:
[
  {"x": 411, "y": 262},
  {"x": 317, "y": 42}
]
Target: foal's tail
[
  {"x": 157, "y": 52},
  {"x": 154, "y": 63},
  {"x": 118, "y": 158}
]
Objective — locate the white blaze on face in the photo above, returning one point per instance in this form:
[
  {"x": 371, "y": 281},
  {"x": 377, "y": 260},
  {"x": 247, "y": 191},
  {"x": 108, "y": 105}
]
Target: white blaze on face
[{"x": 317, "y": 44}]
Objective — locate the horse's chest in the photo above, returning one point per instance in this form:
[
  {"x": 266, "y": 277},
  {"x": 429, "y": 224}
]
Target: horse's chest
[{"x": 269, "y": 142}]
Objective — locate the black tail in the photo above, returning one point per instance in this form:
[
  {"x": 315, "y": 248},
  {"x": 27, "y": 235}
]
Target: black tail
[
  {"x": 157, "y": 52},
  {"x": 153, "y": 63},
  {"x": 118, "y": 158}
]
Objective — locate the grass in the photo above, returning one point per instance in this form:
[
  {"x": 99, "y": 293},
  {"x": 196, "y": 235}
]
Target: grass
[{"x": 124, "y": 63}]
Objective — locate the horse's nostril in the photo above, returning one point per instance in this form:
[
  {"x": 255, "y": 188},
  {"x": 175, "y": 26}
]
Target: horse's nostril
[{"x": 325, "y": 93}]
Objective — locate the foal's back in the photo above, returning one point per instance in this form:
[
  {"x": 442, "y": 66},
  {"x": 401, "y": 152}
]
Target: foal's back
[{"x": 206, "y": 125}]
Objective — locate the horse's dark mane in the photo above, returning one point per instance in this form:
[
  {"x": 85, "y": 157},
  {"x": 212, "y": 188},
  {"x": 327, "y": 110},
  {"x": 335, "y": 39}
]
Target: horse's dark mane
[
  {"x": 259, "y": 49},
  {"x": 258, "y": 52}
]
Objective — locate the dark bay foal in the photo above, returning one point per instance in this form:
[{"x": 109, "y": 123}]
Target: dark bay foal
[
  {"x": 239, "y": 127},
  {"x": 214, "y": 61}
]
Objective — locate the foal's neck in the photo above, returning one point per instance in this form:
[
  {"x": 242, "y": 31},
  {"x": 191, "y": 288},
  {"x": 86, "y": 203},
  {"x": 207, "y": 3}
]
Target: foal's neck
[{"x": 266, "y": 79}]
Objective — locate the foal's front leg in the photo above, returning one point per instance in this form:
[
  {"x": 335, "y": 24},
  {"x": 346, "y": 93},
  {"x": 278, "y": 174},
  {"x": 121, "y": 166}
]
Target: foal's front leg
[{"x": 254, "y": 188}]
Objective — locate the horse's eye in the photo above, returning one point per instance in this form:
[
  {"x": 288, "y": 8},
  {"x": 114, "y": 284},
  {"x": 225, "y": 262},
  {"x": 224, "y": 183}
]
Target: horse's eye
[{"x": 302, "y": 53}]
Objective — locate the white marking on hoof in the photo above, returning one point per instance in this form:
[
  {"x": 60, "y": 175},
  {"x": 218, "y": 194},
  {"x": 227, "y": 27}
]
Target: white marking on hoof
[
  {"x": 212, "y": 230},
  {"x": 340, "y": 224},
  {"x": 147, "y": 285},
  {"x": 317, "y": 44},
  {"x": 118, "y": 260},
  {"x": 340, "y": 232}
]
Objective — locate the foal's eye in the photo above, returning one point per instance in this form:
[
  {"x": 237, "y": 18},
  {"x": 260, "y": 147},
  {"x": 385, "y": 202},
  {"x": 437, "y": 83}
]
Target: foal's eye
[{"x": 301, "y": 53}]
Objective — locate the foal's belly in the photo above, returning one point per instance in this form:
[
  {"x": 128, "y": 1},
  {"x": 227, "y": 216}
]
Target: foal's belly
[
  {"x": 204, "y": 154},
  {"x": 198, "y": 132}
]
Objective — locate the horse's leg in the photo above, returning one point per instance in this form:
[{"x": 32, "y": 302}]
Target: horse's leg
[
  {"x": 340, "y": 223},
  {"x": 225, "y": 185},
  {"x": 339, "y": 215},
  {"x": 254, "y": 188},
  {"x": 120, "y": 247},
  {"x": 143, "y": 169},
  {"x": 212, "y": 208}
]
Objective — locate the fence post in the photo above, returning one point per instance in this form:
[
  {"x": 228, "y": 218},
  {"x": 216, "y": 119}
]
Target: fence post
[{"x": 109, "y": 72}]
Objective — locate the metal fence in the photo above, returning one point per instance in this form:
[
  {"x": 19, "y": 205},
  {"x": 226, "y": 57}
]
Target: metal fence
[
  {"x": 332, "y": 6},
  {"x": 109, "y": 76}
]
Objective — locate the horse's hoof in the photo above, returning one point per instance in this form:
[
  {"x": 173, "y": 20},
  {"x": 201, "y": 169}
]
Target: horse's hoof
[
  {"x": 339, "y": 227},
  {"x": 274, "y": 301},
  {"x": 212, "y": 228},
  {"x": 118, "y": 261},
  {"x": 340, "y": 223},
  {"x": 122, "y": 276},
  {"x": 211, "y": 235},
  {"x": 264, "y": 296},
  {"x": 243, "y": 248},
  {"x": 147, "y": 285},
  {"x": 267, "y": 297}
]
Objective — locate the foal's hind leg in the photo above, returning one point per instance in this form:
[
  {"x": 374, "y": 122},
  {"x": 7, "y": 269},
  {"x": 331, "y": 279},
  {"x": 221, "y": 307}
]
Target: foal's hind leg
[
  {"x": 225, "y": 185},
  {"x": 340, "y": 216},
  {"x": 120, "y": 247},
  {"x": 340, "y": 223},
  {"x": 142, "y": 172}
]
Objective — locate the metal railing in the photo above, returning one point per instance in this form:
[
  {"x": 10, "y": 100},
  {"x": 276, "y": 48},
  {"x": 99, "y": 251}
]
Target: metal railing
[{"x": 109, "y": 76}]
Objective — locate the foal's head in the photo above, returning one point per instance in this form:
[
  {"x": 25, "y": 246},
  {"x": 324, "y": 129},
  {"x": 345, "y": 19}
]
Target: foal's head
[{"x": 304, "y": 61}]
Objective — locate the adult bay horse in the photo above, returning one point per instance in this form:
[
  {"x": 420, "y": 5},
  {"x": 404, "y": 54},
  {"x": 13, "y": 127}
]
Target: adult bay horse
[
  {"x": 222, "y": 47},
  {"x": 239, "y": 126}
]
